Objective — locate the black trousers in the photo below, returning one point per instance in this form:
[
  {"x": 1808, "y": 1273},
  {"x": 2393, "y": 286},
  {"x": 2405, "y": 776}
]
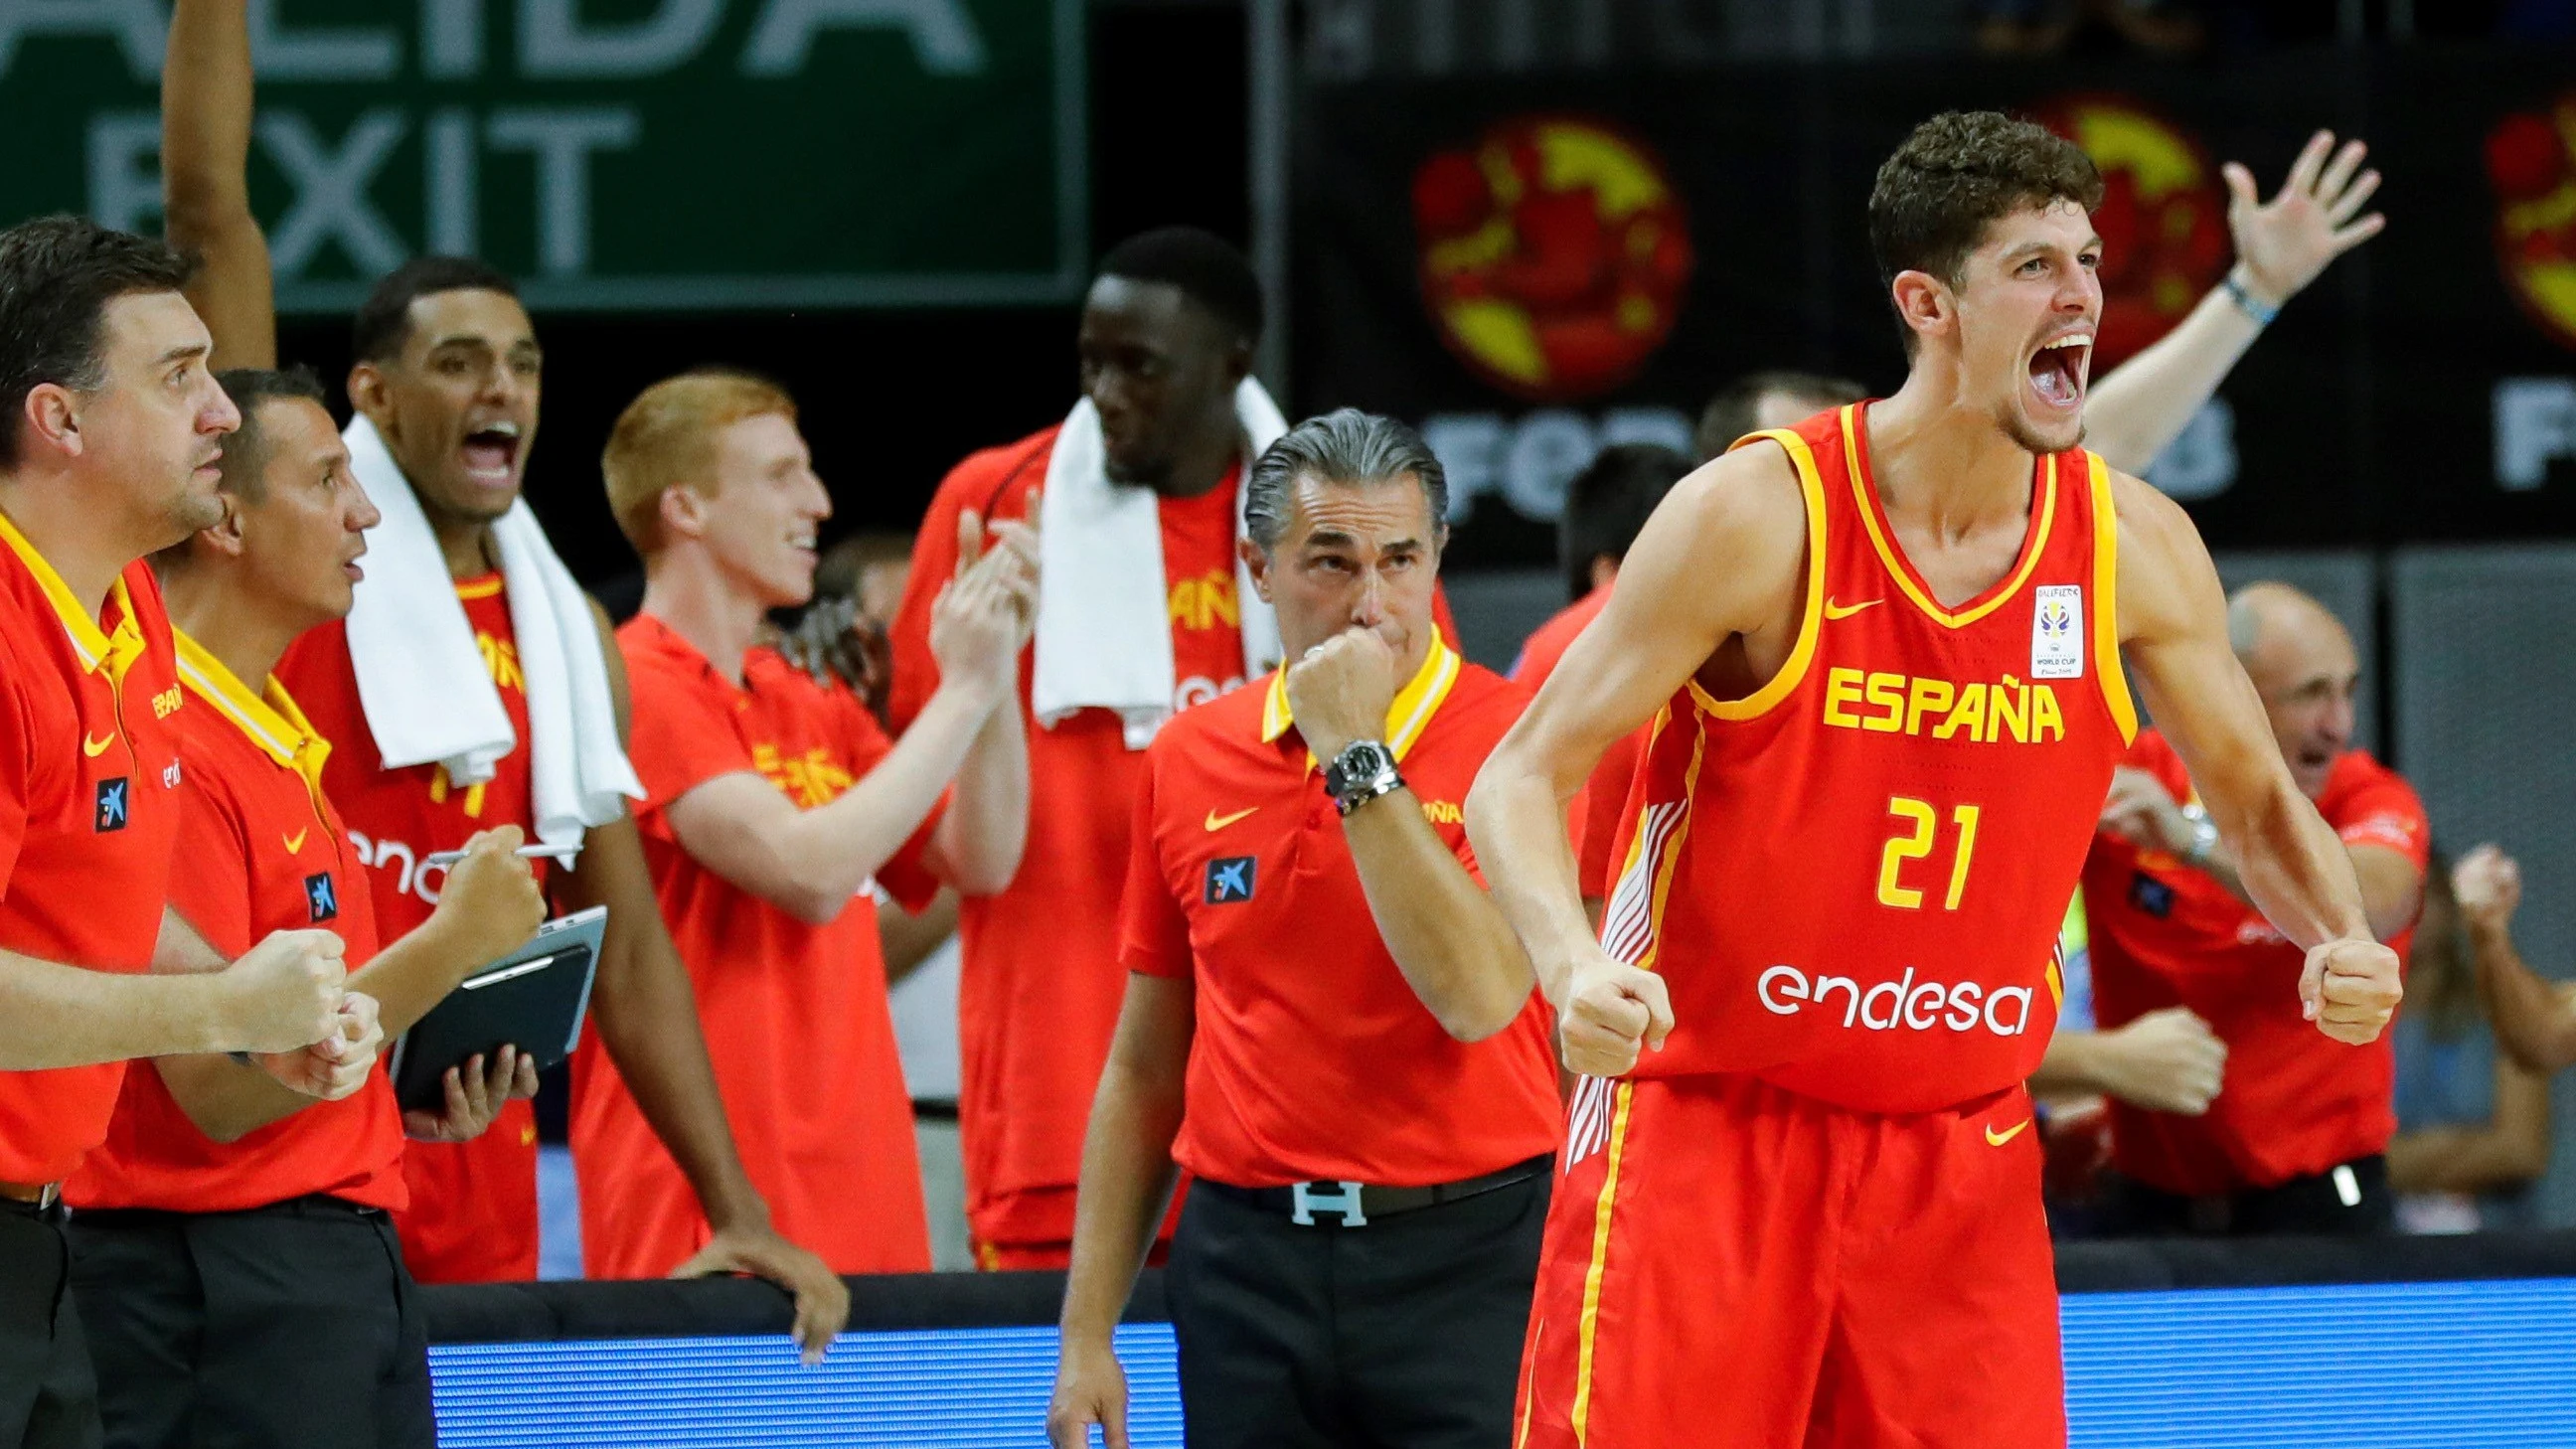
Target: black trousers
[
  {"x": 2312, "y": 1205},
  {"x": 1405, "y": 1333},
  {"x": 48, "y": 1399},
  {"x": 293, "y": 1325}
]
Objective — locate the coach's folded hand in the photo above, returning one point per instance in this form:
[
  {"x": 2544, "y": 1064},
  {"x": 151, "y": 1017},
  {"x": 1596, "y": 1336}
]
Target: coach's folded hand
[
  {"x": 338, "y": 1064},
  {"x": 284, "y": 995},
  {"x": 1610, "y": 1010},
  {"x": 1090, "y": 1388}
]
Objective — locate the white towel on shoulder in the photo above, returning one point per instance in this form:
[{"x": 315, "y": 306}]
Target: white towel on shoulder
[
  {"x": 422, "y": 681},
  {"x": 1104, "y": 635}
]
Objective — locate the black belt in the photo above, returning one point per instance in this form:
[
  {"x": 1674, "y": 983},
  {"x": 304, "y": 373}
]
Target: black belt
[
  {"x": 1357, "y": 1204},
  {"x": 312, "y": 1205}
]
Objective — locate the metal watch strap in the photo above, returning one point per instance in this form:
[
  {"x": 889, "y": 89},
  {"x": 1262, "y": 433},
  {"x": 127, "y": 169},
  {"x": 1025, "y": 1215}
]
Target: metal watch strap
[{"x": 1350, "y": 791}]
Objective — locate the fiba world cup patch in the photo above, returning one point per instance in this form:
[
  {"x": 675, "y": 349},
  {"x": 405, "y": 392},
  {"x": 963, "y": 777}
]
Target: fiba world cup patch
[{"x": 2057, "y": 632}]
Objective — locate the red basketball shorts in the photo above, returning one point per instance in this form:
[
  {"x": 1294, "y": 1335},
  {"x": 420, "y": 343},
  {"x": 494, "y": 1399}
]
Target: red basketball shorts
[{"x": 1728, "y": 1264}]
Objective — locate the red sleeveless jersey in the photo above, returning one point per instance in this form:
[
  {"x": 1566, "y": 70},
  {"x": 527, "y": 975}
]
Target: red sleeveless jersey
[{"x": 1853, "y": 878}]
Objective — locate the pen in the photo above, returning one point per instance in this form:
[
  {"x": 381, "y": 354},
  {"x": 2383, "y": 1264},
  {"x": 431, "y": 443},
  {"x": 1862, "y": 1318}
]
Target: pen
[{"x": 525, "y": 852}]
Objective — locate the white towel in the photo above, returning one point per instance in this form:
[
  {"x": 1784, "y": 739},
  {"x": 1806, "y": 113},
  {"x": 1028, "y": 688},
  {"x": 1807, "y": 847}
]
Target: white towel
[
  {"x": 1104, "y": 635},
  {"x": 422, "y": 680}
]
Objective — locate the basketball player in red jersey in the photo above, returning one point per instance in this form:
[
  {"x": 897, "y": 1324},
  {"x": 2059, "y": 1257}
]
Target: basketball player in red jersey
[
  {"x": 1880, "y": 653},
  {"x": 449, "y": 372}
]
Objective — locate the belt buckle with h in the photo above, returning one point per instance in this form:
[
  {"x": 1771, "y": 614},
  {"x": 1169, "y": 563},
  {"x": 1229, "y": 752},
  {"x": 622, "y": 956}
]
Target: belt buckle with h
[{"x": 1307, "y": 1202}]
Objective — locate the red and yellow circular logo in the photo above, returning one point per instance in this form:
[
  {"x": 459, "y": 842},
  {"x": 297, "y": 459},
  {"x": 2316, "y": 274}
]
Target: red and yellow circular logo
[
  {"x": 2163, "y": 218},
  {"x": 1554, "y": 255},
  {"x": 2531, "y": 162}
]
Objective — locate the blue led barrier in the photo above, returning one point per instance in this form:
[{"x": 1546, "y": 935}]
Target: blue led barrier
[{"x": 2348, "y": 1366}]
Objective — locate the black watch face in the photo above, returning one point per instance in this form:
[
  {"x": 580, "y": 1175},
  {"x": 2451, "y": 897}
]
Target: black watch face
[{"x": 1359, "y": 762}]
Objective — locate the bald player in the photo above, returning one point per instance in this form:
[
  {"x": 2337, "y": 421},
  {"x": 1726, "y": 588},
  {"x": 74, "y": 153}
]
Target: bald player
[
  {"x": 2295, "y": 1140},
  {"x": 1880, "y": 653}
]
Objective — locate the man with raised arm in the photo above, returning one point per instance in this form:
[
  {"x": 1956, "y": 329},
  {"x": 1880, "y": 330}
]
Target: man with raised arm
[
  {"x": 1881, "y": 655},
  {"x": 473, "y": 686}
]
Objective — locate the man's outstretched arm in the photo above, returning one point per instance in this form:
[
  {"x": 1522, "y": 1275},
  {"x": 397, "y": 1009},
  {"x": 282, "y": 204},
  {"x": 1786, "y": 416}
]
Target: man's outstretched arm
[
  {"x": 1722, "y": 558},
  {"x": 2281, "y": 245},
  {"x": 205, "y": 178},
  {"x": 2173, "y": 628}
]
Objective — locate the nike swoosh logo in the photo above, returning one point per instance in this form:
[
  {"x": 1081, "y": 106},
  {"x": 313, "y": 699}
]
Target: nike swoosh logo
[
  {"x": 1998, "y": 1139},
  {"x": 95, "y": 748},
  {"x": 1219, "y": 822},
  {"x": 1845, "y": 611},
  {"x": 295, "y": 842}
]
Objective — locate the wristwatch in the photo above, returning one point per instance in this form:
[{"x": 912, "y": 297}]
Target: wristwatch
[
  {"x": 2204, "y": 834},
  {"x": 1364, "y": 770}
]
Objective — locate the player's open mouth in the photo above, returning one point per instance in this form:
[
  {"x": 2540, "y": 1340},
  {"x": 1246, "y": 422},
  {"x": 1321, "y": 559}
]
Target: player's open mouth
[
  {"x": 2058, "y": 369},
  {"x": 491, "y": 451}
]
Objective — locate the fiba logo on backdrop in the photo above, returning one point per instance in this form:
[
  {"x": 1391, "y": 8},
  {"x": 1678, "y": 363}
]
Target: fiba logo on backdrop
[
  {"x": 2531, "y": 163},
  {"x": 1554, "y": 254}
]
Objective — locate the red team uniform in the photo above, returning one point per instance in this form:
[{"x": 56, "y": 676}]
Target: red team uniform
[
  {"x": 825, "y": 1129},
  {"x": 264, "y": 852},
  {"x": 1814, "y": 1216},
  {"x": 472, "y": 1216},
  {"x": 89, "y": 770},
  {"x": 2296, "y": 1103}
]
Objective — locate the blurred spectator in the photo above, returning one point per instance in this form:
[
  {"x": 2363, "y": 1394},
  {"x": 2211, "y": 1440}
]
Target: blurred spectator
[
  {"x": 2473, "y": 1125},
  {"x": 1775, "y": 399},
  {"x": 2293, "y": 1141},
  {"x": 2534, "y": 1018}
]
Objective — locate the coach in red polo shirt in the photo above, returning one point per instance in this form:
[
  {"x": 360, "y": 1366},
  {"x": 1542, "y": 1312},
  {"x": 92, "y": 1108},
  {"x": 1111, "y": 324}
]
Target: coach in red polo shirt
[
  {"x": 2293, "y": 1141},
  {"x": 1327, "y": 1022}
]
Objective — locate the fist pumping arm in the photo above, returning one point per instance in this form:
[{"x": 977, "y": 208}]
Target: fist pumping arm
[
  {"x": 1722, "y": 559},
  {"x": 2173, "y": 629}
]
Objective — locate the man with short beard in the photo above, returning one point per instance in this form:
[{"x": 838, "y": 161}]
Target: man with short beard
[{"x": 111, "y": 429}]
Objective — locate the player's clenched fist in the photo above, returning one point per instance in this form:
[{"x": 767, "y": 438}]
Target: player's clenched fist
[
  {"x": 1611, "y": 1009},
  {"x": 2350, "y": 989},
  {"x": 285, "y": 995}
]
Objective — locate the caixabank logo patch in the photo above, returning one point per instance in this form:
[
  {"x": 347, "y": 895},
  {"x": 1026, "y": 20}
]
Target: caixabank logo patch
[
  {"x": 2531, "y": 163},
  {"x": 2163, "y": 218},
  {"x": 1554, "y": 255}
]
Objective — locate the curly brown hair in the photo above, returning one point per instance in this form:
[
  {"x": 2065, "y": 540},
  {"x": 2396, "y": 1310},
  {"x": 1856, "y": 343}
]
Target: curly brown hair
[{"x": 1959, "y": 172}]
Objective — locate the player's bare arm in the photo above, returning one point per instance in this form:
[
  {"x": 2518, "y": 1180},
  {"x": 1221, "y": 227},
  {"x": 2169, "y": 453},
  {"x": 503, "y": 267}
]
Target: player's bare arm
[
  {"x": 647, "y": 1014},
  {"x": 2281, "y": 246},
  {"x": 1710, "y": 591},
  {"x": 810, "y": 863},
  {"x": 205, "y": 188},
  {"x": 2173, "y": 630},
  {"x": 1127, "y": 1177},
  {"x": 1452, "y": 944}
]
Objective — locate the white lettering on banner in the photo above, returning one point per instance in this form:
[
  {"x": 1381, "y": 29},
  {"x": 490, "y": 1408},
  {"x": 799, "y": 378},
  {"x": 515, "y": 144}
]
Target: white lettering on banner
[
  {"x": 331, "y": 191},
  {"x": 1786, "y": 991},
  {"x": 124, "y": 169},
  {"x": 563, "y": 141},
  {"x": 455, "y": 228},
  {"x": 944, "y": 38},
  {"x": 140, "y": 28},
  {"x": 355, "y": 53},
  {"x": 2535, "y": 421},
  {"x": 1530, "y": 461},
  {"x": 451, "y": 39},
  {"x": 556, "y": 43},
  {"x": 2201, "y": 460}
]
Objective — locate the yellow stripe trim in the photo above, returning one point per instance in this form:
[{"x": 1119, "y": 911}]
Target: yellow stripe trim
[
  {"x": 1407, "y": 716},
  {"x": 1591, "y": 1320},
  {"x": 2032, "y": 546},
  {"x": 2106, "y": 603},
  {"x": 482, "y": 588},
  {"x": 276, "y": 723},
  {"x": 1811, "y": 619},
  {"x": 88, "y": 640}
]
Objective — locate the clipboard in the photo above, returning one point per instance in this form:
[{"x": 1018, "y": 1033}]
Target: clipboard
[{"x": 534, "y": 998}]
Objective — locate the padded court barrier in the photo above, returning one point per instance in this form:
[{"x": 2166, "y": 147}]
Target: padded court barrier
[{"x": 2394, "y": 1343}]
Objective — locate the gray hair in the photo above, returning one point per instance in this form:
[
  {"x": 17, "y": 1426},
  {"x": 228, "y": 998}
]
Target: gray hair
[{"x": 1344, "y": 446}]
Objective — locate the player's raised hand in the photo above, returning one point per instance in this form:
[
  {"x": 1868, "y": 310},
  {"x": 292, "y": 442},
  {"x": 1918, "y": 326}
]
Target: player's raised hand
[
  {"x": 2488, "y": 883},
  {"x": 1611, "y": 1011},
  {"x": 285, "y": 994},
  {"x": 2350, "y": 989},
  {"x": 2314, "y": 218},
  {"x": 979, "y": 622}
]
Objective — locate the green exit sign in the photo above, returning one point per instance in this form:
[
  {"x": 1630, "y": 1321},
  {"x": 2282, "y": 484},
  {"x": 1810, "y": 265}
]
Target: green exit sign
[{"x": 613, "y": 154}]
